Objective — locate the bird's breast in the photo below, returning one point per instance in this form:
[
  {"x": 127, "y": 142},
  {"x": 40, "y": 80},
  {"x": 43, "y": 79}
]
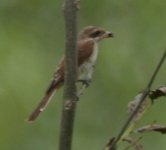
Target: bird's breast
[{"x": 94, "y": 55}]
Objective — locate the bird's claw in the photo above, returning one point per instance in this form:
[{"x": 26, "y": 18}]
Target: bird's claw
[{"x": 85, "y": 82}]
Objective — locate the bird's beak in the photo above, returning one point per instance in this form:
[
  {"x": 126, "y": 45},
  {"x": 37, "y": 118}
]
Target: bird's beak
[{"x": 108, "y": 34}]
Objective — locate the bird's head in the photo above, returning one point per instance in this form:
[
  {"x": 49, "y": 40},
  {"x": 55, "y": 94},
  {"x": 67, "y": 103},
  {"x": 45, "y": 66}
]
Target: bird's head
[{"x": 96, "y": 33}]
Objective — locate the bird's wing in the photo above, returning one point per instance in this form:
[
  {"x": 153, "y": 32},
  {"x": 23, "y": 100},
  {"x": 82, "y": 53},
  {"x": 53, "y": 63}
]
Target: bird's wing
[
  {"x": 58, "y": 77},
  {"x": 85, "y": 49}
]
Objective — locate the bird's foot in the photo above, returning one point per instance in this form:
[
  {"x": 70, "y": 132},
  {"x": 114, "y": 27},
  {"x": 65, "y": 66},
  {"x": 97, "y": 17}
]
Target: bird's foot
[{"x": 85, "y": 82}]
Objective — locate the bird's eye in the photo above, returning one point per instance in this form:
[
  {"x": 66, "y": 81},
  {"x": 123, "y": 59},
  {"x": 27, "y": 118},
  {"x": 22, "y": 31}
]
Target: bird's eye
[{"x": 95, "y": 34}]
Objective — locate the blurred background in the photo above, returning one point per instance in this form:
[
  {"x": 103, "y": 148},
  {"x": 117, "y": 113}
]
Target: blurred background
[{"x": 31, "y": 44}]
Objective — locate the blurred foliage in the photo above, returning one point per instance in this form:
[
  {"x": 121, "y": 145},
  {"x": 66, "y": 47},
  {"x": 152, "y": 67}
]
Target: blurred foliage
[{"x": 31, "y": 43}]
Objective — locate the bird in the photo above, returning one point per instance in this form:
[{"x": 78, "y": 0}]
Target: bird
[{"x": 87, "y": 51}]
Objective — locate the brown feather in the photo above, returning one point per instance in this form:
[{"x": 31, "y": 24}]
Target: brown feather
[{"x": 85, "y": 49}]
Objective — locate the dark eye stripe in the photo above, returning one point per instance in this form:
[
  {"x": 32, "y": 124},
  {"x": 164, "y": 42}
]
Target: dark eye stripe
[{"x": 95, "y": 34}]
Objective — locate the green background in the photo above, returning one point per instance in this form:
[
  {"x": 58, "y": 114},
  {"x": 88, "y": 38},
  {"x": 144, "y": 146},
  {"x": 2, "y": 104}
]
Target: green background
[{"x": 31, "y": 44}]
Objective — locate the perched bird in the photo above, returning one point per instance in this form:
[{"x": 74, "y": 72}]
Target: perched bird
[{"x": 87, "y": 47}]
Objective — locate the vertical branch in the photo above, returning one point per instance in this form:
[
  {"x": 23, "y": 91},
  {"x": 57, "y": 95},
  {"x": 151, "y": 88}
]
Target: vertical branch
[{"x": 69, "y": 104}]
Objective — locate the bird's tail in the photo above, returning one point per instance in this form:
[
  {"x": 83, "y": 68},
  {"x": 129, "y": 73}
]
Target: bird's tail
[{"x": 44, "y": 102}]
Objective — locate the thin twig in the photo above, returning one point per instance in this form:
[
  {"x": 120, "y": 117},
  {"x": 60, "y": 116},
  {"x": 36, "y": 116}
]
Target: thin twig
[{"x": 142, "y": 99}]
